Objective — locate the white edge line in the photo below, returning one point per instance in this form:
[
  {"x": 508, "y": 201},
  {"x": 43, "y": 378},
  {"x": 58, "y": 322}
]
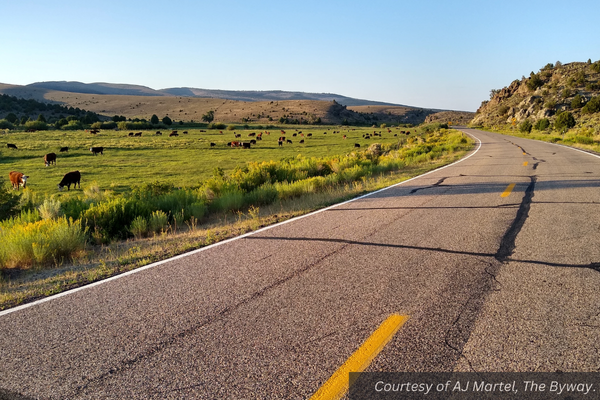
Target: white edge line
[{"x": 155, "y": 264}]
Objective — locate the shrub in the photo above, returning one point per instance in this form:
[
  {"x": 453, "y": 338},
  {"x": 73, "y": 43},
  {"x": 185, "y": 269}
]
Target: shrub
[
  {"x": 550, "y": 105},
  {"x": 592, "y": 106},
  {"x": 231, "y": 127},
  {"x": 583, "y": 140},
  {"x": 217, "y": 125},
  {"x": 577, "y": 102},
  {"x": 112, "y": 218},
  {"x": 158, "y": 221},
  {"x": 542, "y": 124},
  {"x": 139, "y": 227},
  {"x": 42, "y": 242},
  {"x": 564, "y": 121},
  {"x": 534, "y": 81},
  {"x": 503, "y": 109},
  {"x": 4, "y": 124},
  {"x": 37, "y": 125},
  {"x": 525, "y": 126},
  {"x": 49, "y": 209},
  {"x": 9, "y": 201},
  {"x": 72, "y": 125}
]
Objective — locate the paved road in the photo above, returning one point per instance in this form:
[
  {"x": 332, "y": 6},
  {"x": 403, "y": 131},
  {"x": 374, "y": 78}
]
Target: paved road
[{"x": 489, "y": 282}]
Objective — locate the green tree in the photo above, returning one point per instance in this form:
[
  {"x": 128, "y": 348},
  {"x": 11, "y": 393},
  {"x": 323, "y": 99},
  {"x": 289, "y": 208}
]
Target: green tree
[
  {"x": 209, "y": 116},
  {"x": 24, "y": 119},
  {"x": 167, "y": 121},
  {"x": 154, "y": 119},
  {"x": 564, "y": 121},
  {"x": 9, "y": 201},
  {"x": 12, "y": 118},
  {"x": 534, "y": 81},
  {"x": 41, "y": 118}
]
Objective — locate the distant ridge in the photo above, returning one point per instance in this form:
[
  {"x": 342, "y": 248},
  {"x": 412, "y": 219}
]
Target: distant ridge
[{"x": 240, "y": 95}]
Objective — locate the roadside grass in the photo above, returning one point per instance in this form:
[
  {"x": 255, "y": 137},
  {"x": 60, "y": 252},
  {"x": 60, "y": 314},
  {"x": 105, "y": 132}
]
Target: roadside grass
[
  {"x": 100, "y": 262},
  {"x": 585, "y": 137}
]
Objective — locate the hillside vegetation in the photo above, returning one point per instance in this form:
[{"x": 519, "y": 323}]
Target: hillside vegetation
[
  {"x": 557, "y": 99},
  {"x": 191, "y": 109}
]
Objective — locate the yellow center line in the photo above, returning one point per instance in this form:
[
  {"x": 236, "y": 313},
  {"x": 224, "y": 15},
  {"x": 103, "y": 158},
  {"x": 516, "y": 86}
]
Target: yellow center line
[
  {"x": 337, "y": 386},
  {"x": 509, "y": 189},
  {"x": 525, "y": 163},
  {"x": 524, "y": 153}
]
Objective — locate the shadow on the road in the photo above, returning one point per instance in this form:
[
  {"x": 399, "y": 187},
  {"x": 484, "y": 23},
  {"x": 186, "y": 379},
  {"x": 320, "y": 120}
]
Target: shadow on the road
[{"x": 593, "y": 266}]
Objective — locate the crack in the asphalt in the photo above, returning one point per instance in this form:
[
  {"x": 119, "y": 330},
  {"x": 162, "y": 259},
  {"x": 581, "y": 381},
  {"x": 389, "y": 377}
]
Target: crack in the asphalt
[
  {"x": 128, "y": 363},
  {"x": 438, "y": 183},
  {"x": 507, "y": 244}
]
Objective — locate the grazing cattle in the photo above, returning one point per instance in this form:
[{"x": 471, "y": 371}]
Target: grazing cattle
[
  {"x": 252, "y": 134},
  {"x": 212, "y": 145},
  {"x": 253, "y": 141},
  {"x": 259, "y": 138},
  {"x": 130, "y": 134},
  {"x": 64, "y": 149},
  {"x": 302, "y": 141},
  {"x": 282, "y": 131},
  {"x": 70, "y": 178},
  {"x": 395, "y": 134},
  {"x": 93, "y": 131},
  {"x": 282, "y": 138},
  {"x": 301, "y": 134},
  {"x": 280, "y": 143},
  {"x": 185, "y": 132},
  {"x": 356, "y": 145},
  {"x": 50, "y": 158},
  {"x": 96, "y": 150},
  {"x": 344, "y": 137},
  {"x": 30, "y": 130},
  {"x": 246, "y": 145},
  {"x": 324, "y": 133},
  {"x": 201, "y": 130},
  {"x": 17, "y": 179},
  {"x": 139, "y": 134},
  {"x": 310, "y": 134},
  {"x": 293, "y": 134},
  {"x": 11, "y": 146},
  {"x": 289, "y": 141},
  {"x": 158, "y": 132},
  {"x": 174, "y": 133},
  {"x": 237, "y": 135},
  {"x": 235, "y": 144}
]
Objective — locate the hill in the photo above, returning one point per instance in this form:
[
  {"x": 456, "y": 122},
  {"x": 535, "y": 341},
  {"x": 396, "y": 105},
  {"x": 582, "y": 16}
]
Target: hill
[
  {"x": 555, "y": 89},
  {"x": 248, "y": 96},
  {"x": 191, "y": 109}
]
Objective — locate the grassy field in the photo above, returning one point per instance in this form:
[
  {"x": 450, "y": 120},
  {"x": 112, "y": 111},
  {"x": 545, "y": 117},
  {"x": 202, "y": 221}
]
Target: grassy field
[
  {"x": 42, "y": 252},
  {"x": 185, "y": 160}
]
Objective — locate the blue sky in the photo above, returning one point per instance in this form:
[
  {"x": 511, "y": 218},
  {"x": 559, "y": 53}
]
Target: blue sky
[{"x": 426, "y": 53}]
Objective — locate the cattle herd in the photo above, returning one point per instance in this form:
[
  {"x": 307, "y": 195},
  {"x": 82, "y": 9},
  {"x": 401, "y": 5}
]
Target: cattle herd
[{"x": 19, "y": 179}]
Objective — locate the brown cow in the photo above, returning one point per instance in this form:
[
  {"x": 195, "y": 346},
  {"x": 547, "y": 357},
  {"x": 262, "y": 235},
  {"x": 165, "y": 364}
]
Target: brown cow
[
  {"x": 50, "y": 158},
  {"x": 17, "y": 179}
]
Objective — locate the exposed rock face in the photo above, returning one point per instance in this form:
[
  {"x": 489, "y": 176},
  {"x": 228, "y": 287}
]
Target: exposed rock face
[{"x": 541, "y": 95}]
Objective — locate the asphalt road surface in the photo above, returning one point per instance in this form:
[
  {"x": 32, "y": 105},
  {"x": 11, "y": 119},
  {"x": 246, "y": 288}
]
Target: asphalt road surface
[{"x": 494, "y": 259}]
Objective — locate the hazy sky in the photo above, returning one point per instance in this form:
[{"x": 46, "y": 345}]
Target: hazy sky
[{"x": 436, "y": 54}]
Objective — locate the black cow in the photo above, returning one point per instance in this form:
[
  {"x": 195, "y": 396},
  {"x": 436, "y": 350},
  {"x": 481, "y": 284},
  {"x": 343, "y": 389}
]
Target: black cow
[
  {"x": 130, "y": 134},
  {"x": 246, "y": 145},
  {"x": 356, "y": 145},
  {"x": 288, "y": 141},
  {"x": 138, "y": 134},
  {"x": 64, "y": 149},
  {"x": 158, "y": 132},
  {"x": 96, "y": 150},
  {"x": 11, "y": 146},
  {"x": 302, "y": 141},
  {"x": 212, "y": 145},
  {"x": 70, "y": 178}
]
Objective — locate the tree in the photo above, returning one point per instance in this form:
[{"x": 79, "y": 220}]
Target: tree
[
  {"x": 24, "y": 119},
  {"x": 167, "y": 121},
  {"x": 12, "y": 118},
  {"x": 542, "y": 124},
  {"x": 209, "y": 116},
  {"x": 154, "y": 119},
  {"x": 41, "y": 118},
  {"x": 564, "y": 121}
]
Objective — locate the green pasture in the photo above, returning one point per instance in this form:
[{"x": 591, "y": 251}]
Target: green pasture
[{"x": 185, "y": 160}]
